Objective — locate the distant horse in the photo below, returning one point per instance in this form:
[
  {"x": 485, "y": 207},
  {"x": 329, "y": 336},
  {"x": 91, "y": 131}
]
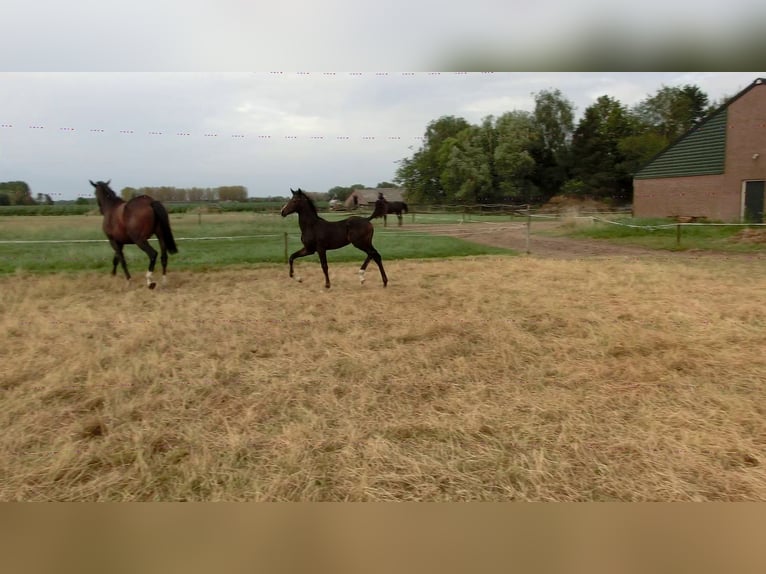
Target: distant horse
[
  {"x": 135, "y": 222},
  {"x": 383, "y": 207},
  {"x": 319, "y": 235}
]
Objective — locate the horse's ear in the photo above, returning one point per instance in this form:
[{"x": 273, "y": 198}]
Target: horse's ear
[
  {"x": 292, "y": 191},
  {"x": 108, "y": 181},
  {"x": 93, "y": 184}
]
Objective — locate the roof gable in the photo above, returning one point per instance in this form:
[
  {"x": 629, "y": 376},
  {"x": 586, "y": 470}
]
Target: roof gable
[
  {"x": 700, "y": 151},
  {"x": 370, "y": 195}
]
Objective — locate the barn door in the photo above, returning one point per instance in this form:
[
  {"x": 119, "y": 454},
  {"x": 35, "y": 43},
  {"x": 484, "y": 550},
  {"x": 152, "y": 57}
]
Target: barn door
[{"x": 754, "y": 201}]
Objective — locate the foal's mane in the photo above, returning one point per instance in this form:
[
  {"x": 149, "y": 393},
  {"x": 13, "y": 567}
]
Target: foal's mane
[{"x": 309, "y": 201}]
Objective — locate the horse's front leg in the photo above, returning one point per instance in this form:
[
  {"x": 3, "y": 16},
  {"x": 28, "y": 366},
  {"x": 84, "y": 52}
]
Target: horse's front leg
[{"x": 300, "y": 253}]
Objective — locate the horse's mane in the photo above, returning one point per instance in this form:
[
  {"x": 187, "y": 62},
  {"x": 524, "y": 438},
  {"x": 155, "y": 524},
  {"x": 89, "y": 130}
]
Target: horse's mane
[
  {"x": 309, "y": 201},
  {"x": 106, "y": 190}
]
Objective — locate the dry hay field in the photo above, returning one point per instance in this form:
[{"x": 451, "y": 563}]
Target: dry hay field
[{"x": 494, "y": 378}]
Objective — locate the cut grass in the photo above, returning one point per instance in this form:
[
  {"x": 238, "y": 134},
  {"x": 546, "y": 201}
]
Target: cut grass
[
  {"x": 663, "y": 234},
  {"x": 487, "y": 378}
]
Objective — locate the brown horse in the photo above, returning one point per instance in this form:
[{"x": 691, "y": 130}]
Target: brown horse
[
  {"x": 135, "y": 222},
  {"x": 383, "y": 207},
  {"x": 319, "y": 235}
]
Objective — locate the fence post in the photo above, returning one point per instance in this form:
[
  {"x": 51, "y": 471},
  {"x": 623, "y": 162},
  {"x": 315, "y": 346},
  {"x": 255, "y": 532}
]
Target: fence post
[
  {"x": 678, "y": 234},
  {"x": 286, "y": 256},
  {"x": 529, "y": 225}
]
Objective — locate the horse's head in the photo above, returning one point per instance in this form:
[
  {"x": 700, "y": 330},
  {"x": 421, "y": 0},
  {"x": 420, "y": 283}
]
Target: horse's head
[
  {"x": 102, "y": 185},
  {"x": 296, "y": 203},
  {"x": 103, "y": 193}
]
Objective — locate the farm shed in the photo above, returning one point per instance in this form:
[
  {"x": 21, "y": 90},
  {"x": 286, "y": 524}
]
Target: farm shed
[
  {"x": 716, "y": 170},
  {"x": 367, "y": 197}
]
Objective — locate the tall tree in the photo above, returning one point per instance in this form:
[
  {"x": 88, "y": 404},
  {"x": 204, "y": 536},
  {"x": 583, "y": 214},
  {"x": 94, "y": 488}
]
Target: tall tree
[
  {"x": 514, "y": 164},
  {"x": 554, "y": 122},
  {"x": 467, "y": 174},
  {"x": 598, "y": 163},
  {"x": 672, "y": 110},
  {"x": 421, "y": 174},
  {"x": 17, "y": 192}
]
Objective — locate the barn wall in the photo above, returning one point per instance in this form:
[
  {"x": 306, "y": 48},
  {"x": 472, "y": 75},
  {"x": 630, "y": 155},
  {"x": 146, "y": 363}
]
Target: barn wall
[
  {"x": 697, "y": 196},
  {"x": 717, "y": 197},
  {"x": 747, "y": 137}
]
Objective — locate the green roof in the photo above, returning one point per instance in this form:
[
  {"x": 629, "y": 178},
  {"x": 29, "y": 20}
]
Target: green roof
[{"x": 701, "y": 151}]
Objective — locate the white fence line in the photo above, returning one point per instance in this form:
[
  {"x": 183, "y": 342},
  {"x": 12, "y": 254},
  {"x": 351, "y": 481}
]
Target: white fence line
[
  {"x": 17, "y": 241},
  {"x": 676, "y": 225},
  {"x": 426, "y": 231}
]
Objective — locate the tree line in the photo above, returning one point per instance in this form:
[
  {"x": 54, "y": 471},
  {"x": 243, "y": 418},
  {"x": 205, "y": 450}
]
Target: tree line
[
  {"x": 529, "y": 157},
  {"x": 169, "y": 193},
  {"x": 19, "y": 193}
]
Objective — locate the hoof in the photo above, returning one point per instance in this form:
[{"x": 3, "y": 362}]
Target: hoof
[{"x": 152, "y": 285}]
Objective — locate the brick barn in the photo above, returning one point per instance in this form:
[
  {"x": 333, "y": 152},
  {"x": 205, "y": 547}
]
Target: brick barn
[
  {"x": 716, "y": 170},
  {"x": 366, "y": 197}
]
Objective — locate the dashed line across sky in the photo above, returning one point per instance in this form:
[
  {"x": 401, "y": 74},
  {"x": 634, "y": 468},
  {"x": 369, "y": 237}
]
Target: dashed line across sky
[
  {"x": 378, "y": 74},
  {"x": 241, "y": 136}
]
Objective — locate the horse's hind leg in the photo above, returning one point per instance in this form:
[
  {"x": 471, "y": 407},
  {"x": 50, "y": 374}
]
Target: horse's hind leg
[
  {"x": 323, "y": 260},
  {"x": 164, "y": 261},
  {"x": 119, "y": 257},
  {"x": 363, "y": 268},
  {"x": 372, "y": 254},
  {"x": 152, "y": 253},
  {"x": 163, "y": 258}
]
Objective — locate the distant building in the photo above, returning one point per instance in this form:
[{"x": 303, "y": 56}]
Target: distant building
[
  {"x": 716, "y": 170},
  {"x": 366, "y": 197}
]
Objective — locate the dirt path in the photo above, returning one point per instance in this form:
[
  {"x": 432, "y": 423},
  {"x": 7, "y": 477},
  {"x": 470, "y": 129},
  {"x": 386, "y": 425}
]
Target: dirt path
[{"x": 514, "y": 236}]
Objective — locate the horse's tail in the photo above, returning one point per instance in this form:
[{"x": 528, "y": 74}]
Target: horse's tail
[
  {"x": 404, "y": 207},
  {"x": 164, "y": 224},
  {"x": 378, "y": 211}
]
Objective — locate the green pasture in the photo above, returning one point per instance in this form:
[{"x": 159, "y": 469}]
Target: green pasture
[
  {"x": 76, "y": 243},
  {"x": 668, "y": 235}
]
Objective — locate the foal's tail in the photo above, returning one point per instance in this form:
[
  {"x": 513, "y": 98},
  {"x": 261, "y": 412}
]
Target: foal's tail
[{"x": 164, "y": 224}]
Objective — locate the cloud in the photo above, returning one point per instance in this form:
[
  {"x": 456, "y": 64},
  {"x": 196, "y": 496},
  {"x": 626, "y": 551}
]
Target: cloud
[{"x": 262, "y": 130}]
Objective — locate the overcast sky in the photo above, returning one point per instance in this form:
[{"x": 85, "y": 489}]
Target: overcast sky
[{"x": 267, "y": 131}]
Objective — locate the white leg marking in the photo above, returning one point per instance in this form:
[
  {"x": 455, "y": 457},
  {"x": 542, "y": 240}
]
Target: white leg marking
[{"x": 361, "y": 276}]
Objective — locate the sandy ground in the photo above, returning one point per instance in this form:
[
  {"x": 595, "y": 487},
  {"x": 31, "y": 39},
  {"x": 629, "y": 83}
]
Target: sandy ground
[{"x": 514, "y": 236}]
